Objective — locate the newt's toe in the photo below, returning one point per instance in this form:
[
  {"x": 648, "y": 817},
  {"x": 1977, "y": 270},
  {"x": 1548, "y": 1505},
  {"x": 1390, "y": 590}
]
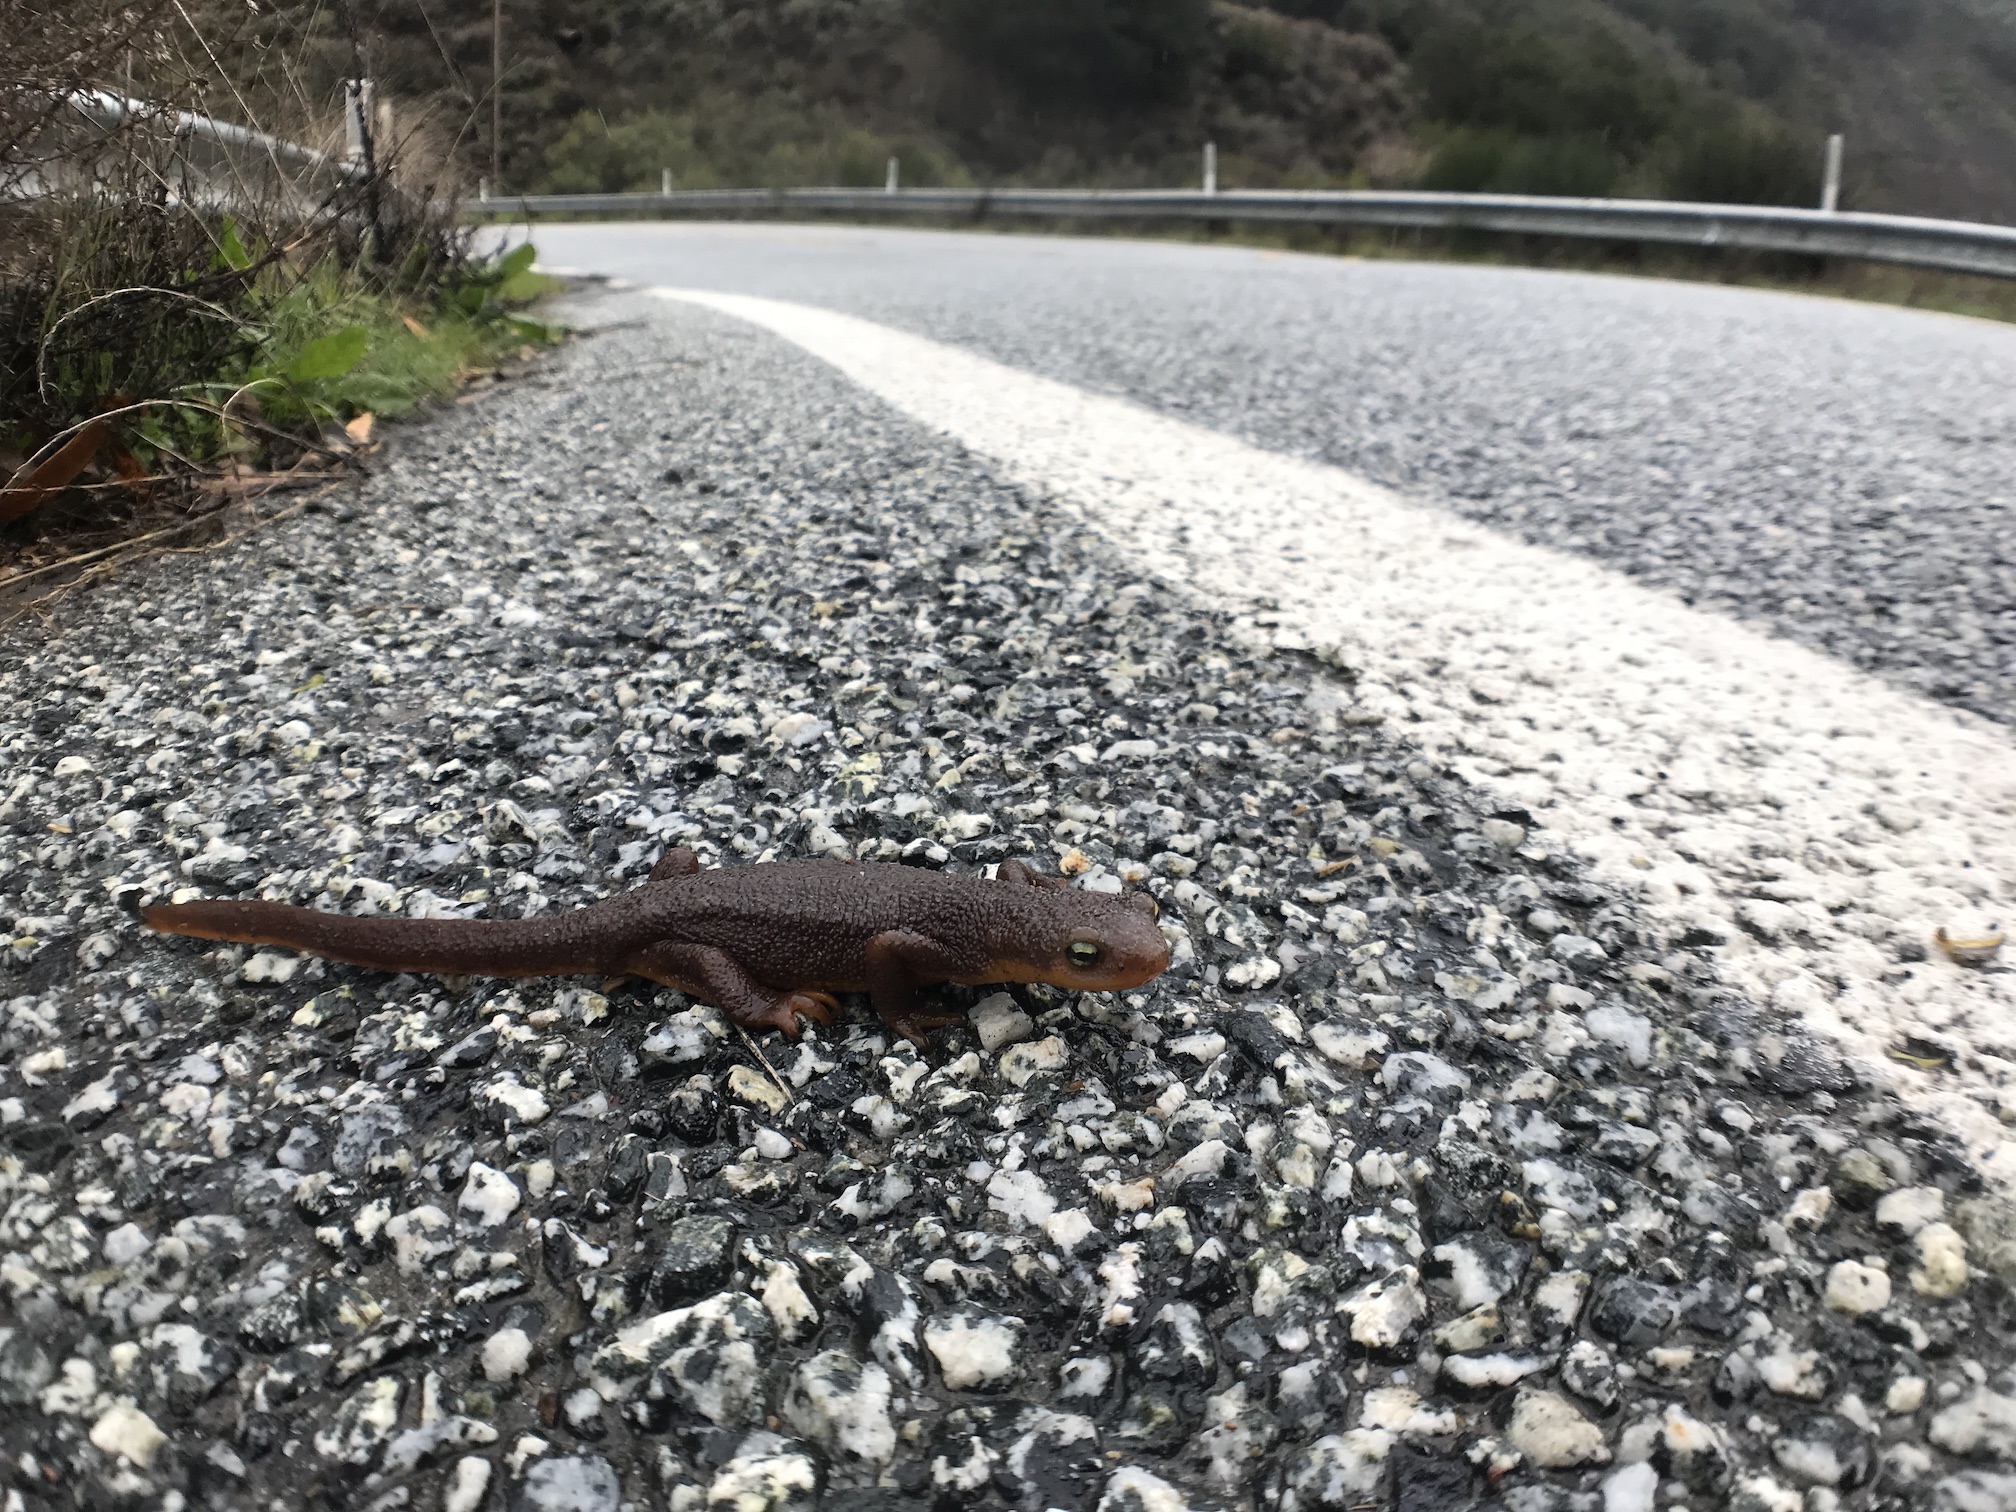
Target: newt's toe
[
  {"x": 772, "y": 1015},
  {"x": 785, "y": 1011},
  {"x": 915, "y": 1027},
  {"x": 820, "y": 1007}
]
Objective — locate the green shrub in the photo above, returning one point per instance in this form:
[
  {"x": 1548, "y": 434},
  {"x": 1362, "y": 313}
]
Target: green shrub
[
  {"x": 1742, "y": 159},
  {"x": 766, "y": 143},
  {"x": 1885, "y": 23},
  {"x": 1088, "y": 53},
  {"x": 1500, "y": 162},
  {"x": 1542, "y": 80}
]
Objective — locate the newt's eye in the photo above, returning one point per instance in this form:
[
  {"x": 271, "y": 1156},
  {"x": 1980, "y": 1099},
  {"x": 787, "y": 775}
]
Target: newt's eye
[{"x": 1082, "y": 954}]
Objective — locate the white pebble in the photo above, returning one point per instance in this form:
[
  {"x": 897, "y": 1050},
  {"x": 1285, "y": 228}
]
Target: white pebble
[
  {"x": 488, "y": 1196},
  {"x": 125, "y": 1430},
  {"x": 464, "y": 1491},
  {"x": 1905, "y": 1211},
  {"x": 507, "y": 1354},
  {"x": 999, "y": 1021},
  {"x": 1854, "y": 1288},
  {"x": 975, "y": 1350},
  {"x": 1810, "y": 1208},
  {"x": 127, "y": 1242},
  {"x": 1942, "y": 1262},
  {"x": 1631, "y": 1489},
  {"x": 1023, "y": 1063},
  {"x": 1022, "y": 1196},
  {"x": 526, "y": 1104},
  {"x": 1552, "y": 1432},
  {"x": 1906, "y": 1394}
]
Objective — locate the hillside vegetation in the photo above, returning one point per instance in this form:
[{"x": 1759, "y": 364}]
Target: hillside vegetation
[{"x": 1703, "y": 99}]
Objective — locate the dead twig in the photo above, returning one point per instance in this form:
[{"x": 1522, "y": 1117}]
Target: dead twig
[
  {"x": 124, "y": 551},
  {"x": 757, "y": 1051},
  {"x": 91, "y": 556}
]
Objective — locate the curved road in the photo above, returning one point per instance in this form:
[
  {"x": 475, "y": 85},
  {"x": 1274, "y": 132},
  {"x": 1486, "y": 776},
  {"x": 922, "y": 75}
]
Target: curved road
[
  {"x": 1841, "y": 474},
  {"x": 1734, "y": 506}
]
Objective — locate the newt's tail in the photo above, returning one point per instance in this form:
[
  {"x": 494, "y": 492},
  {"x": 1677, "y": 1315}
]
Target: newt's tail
[{"x": 559, "y": 945}]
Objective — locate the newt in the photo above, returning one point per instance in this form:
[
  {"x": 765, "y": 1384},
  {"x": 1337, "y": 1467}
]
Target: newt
[{"x": 767, "y": 944}]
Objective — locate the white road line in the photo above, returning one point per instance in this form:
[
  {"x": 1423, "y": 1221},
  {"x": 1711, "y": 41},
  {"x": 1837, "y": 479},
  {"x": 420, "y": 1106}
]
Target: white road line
[{"x": 1812, "y": 815}]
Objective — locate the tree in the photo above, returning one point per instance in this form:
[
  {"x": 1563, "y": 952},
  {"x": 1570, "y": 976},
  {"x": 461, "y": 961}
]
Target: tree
[{"x": 1082, "y": 52}]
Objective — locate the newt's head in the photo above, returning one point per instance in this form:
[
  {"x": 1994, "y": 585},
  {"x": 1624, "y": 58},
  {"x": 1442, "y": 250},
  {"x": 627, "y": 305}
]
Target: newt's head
[{"x": 1081, "y": 941}]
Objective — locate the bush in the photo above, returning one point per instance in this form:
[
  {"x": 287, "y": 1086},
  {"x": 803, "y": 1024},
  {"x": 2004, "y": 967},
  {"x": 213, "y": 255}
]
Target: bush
[
  {"x": 764, "y": 143},
  {"x": 1742, "y": 160},
  {"x": 1500, "y": 162},
  {"x": 1085, "y": 53},
  {"x": 1555, "y": 81},
  {"x": 1883, "y": 23},
  {"x": 148, "y": 335}
]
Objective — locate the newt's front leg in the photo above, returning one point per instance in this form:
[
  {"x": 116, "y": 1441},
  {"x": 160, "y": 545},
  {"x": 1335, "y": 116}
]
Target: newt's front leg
[
  {"x": 718, "y": 978},
  {"x": 899, "y": 961}
]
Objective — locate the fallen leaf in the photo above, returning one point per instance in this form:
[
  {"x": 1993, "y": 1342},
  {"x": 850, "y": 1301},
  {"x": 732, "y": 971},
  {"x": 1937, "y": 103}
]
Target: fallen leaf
[
  {"x": 1969, "y": 952},
  {"x": 417, "y": 329},
  {"x": 247, "y": 483},
  {"x": 52, "y": 474},
  {"x": 1925, "y": 1054},
  {"x": 359, "y": 430}
]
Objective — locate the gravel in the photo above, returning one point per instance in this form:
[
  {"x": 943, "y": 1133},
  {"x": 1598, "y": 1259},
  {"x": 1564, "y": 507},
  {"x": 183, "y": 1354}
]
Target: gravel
[
  {"x": 1837, "y": 473},
  {"x": 1377, "y": 1196}
]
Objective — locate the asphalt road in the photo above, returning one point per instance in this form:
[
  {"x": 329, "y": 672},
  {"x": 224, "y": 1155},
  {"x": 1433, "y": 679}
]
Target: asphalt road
[
  {"x": 1457, "y": 1162},
  {"x": 1838, "y": 473}
]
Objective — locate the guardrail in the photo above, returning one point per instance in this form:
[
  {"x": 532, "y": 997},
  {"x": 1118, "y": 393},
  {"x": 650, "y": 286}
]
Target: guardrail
[
  {"x": 214, "y": 160},
  {"x": 1953, "y": 246}
]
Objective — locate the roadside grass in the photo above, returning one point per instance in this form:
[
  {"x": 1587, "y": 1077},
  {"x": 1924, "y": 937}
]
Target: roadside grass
[
  {"x": 252, "y": 375},
  {"x": 327, "y": 346},
  {"x": 192, "y": 331}
]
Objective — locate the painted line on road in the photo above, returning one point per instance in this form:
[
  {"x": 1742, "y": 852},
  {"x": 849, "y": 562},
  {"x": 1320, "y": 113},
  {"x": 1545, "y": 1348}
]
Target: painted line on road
[{"x": 1814, "y": 817}]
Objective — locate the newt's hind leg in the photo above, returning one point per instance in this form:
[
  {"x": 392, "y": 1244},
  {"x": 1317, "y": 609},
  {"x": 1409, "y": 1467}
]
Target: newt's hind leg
[
  {"x": 677, "y": 862},
  {"x": 716, "y": 977}
]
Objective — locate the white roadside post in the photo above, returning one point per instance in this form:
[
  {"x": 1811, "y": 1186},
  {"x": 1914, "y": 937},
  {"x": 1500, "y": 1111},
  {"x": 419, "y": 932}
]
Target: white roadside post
[
  {"x": 665, "y": 182},
  {"x": 890, "y": 183},
  {"x": 357, "y": 99},
  {"x": 1830, "y": 183},
  {"x": 1210, "y": 167}
]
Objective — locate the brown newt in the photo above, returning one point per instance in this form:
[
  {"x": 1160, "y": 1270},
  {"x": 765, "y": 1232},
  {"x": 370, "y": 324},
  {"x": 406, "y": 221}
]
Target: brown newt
[{"x": 766, "y": 944}]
